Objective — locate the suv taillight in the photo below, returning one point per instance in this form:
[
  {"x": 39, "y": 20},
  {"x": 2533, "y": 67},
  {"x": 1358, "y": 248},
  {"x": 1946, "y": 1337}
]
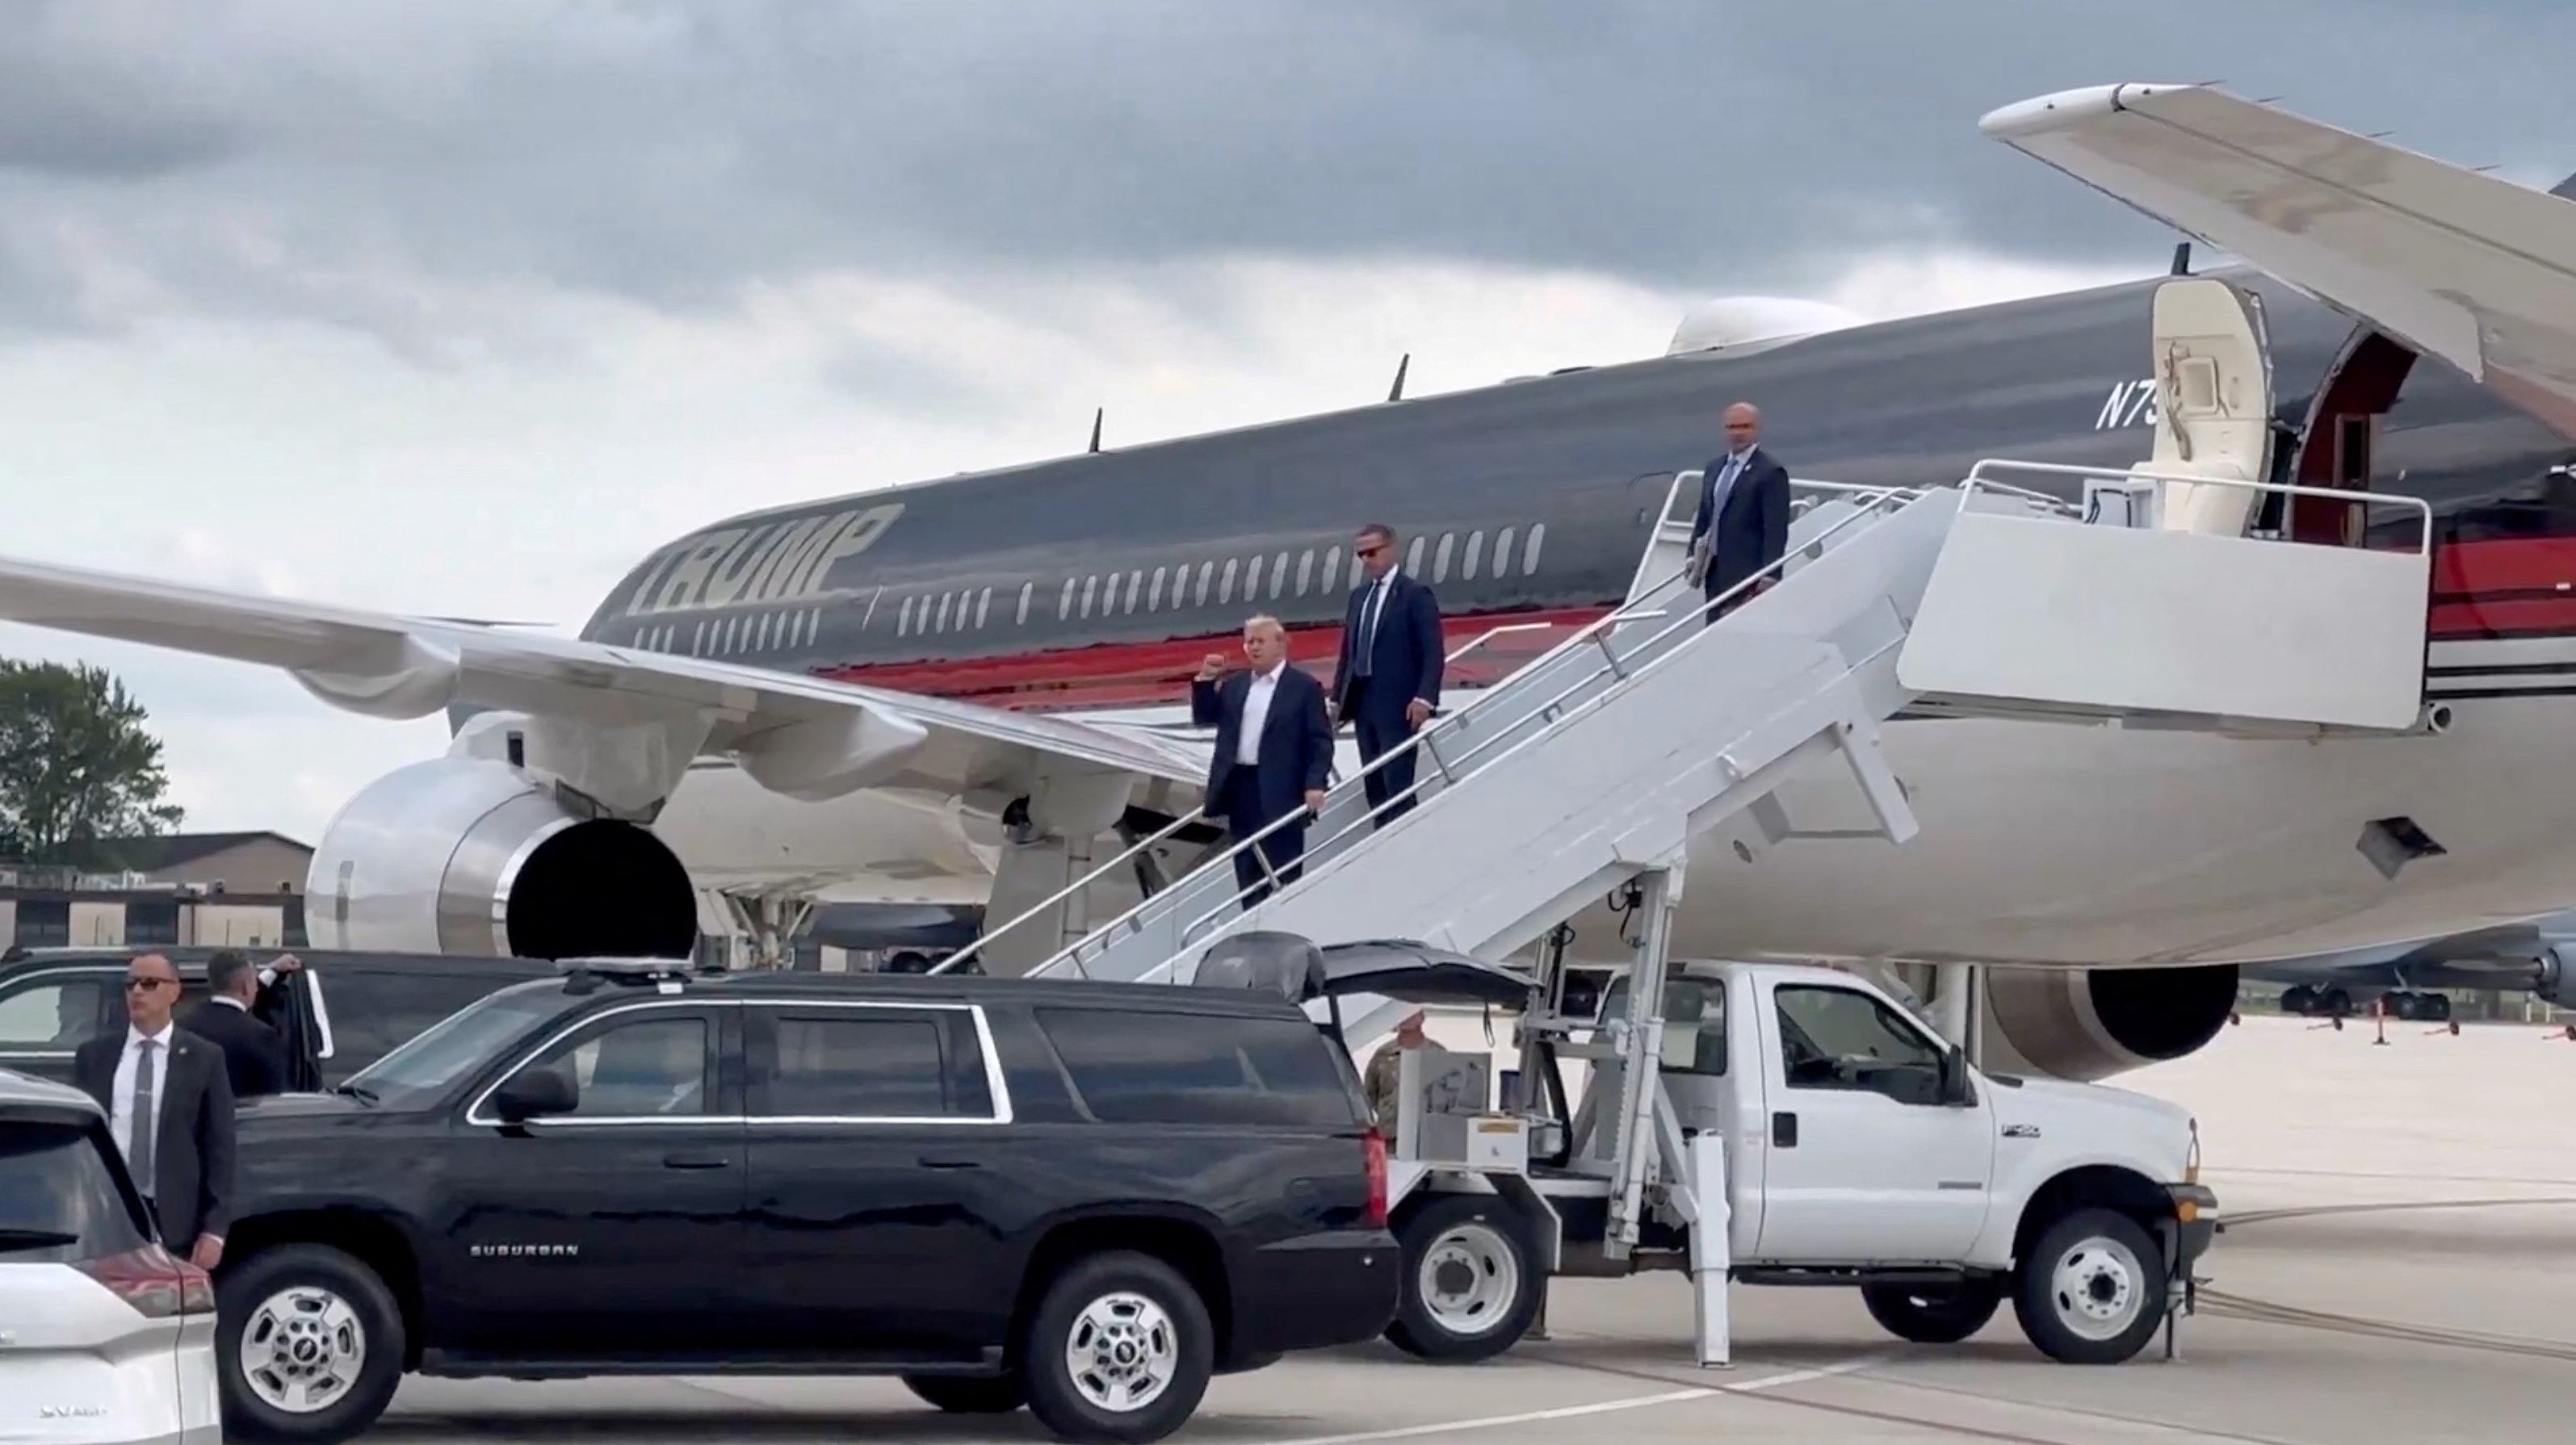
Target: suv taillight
[
  {"x": 1375, "y": 1145},
  {"x": 154, "y": 1282}
]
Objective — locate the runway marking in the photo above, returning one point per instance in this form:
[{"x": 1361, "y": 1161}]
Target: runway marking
[{"x": 1601, "y": 1407}]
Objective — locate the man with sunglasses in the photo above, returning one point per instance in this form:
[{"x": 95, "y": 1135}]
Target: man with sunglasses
[
  {"x": 170, "y": 1107},
  {"x": 1387, "y": 681}
]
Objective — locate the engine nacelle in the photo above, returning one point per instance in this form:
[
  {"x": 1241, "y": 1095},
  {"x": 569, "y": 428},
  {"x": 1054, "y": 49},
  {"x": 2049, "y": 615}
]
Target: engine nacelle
[
  {"x": 474, "y": 857},
  {"x": 2087, "y": 1024},
  {"x": 2556, "y": 981}
]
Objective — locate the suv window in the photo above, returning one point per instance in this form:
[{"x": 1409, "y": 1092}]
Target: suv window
[
  {"x": 59, "y": 1201},
  {"x": 375, "y": 1010},
  {"x": 56, "y": 1015},
  {"x": 874, "y": 1064},
  {"x": 658, "y": 1065},
  {"x": 1155, "y": 1068},
  {"x": 1836, "y": 1038}
]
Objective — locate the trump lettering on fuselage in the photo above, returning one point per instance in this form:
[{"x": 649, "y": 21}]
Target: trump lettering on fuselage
[{"x": 770, "y": 562}]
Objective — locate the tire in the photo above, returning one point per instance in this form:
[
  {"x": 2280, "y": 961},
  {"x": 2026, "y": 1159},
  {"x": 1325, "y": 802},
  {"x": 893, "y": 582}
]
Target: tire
[
  {"x": 2300, "y": 1001},
  {"x": 309, "y": 1346},
  {"x": 969, "y": 1394},
  {"x": 2437, "y": 1008},
  {"x": 1471, "y": 1281},
  {"x": 2335, "y": 1003},
  {"x": 1145, "y": 1342},
  {"x": 1934, "y": 1315},
  {"x": 2091, "y": 1291}
]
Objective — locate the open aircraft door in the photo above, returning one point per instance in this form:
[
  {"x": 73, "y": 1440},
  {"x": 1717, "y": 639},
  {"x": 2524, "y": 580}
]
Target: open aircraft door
[{"x": 2213, "y": 374}]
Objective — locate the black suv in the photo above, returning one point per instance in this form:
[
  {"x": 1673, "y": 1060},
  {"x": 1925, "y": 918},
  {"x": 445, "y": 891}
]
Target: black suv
[
  {"x": 339, "y": 1013},
  {"x": 1082, "y": 1197}
]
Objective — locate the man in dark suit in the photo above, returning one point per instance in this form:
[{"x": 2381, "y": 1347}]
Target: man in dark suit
[
  {"x": 235, "y": 1018},
  {"x": 1387, "y": 680},
  {"x": 1743, "y": 521},
  {"x": 1274, "y": 751},
  {"x": 171, "y": 1110}
]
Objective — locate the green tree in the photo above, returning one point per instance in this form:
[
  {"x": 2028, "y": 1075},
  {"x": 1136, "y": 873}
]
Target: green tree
[{"x": 77, "y": 766}]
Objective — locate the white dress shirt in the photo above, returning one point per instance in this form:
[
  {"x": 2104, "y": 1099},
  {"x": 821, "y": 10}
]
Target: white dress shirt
[
  {"x": 1256, "y": 712},
  {"x": 121, "y": 1093}
]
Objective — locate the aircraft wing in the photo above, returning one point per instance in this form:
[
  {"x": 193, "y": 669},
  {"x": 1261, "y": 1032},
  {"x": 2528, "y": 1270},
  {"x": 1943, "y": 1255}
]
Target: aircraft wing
[
  {"x": 632, "y": 719},
  {"x": 2476, "y": 270}
]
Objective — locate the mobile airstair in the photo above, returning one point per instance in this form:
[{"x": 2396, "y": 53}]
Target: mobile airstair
[{"x": 1600, "y": 761}]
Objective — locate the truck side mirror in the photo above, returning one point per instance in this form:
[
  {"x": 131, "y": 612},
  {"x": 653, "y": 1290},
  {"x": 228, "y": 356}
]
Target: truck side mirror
[{"x": 1957, "y": 1089}]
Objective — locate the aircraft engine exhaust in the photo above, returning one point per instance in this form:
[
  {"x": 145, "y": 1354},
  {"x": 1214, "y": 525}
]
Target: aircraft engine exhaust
[{"x": 2089, "y": 1024}]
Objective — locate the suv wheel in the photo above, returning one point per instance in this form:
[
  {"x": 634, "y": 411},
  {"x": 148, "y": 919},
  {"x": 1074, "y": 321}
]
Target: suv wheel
[
  {"x": 1471, "y": 1282},
  {"x": 309, "y": 1346},
  {"x": 1119, "y": 1350},
  {"x": 2092, "y": 1289},
  {"x": 969, "y": 1394}
]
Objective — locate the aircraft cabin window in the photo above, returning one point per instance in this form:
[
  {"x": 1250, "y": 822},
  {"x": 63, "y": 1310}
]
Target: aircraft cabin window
[
  {"x": 1027, "y": 590},
  {"x": 1279, "y": 576},
  {"x": 983, "y": 605},
  {"x": 903, "y": 620},
  {"x": 1207, "y": 570},
  {"x": 1332, "y": 569},
  {"x": 698, "y": 639},
  {"x": 1503, "y": 552},
  {"x": 1135, "y": 586},
  {"x": 1154, "y": 599},
  {"x": 1305, "y": 570},
  {"x": 732, "y": 635},
  {"x": 1475, "y": 551},
  {"x": 1413, "y": 557},
  {"x": 766, "y": 619},
  {"x": 1225, "y": 590},
  {"x": 1529, "y": 553},
  {"x": 1090, "y": 590},
  {"x": 1440, "y": 559},
  {"x": 1064, "y": 604}
]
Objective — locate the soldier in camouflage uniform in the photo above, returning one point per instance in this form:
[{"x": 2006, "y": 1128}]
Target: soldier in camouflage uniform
[{"x": 1381, "y": 1077}]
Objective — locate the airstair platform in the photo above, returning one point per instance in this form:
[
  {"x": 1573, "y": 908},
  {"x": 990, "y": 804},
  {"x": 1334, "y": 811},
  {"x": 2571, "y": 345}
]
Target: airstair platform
[{"x": 1602, "y": 759}]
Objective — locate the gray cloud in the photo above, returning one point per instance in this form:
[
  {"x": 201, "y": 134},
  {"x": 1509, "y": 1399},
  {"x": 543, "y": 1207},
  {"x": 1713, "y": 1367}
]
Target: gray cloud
[{"x": 310, "y": 157}]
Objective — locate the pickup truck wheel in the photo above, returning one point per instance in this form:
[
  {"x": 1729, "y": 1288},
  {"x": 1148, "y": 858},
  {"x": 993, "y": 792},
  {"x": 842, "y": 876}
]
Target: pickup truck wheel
[
  {"x": 2092, "y": 1289},
  {"x": 969, "y": 1394},
  {"x": 1471, "y": 1282},
  {"x": 1935, "y": 1315},
  {"x": 1119, "y": 1350},
  {"x": 309, "y": 1346}
]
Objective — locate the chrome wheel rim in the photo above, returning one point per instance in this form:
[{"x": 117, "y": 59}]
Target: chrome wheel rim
[
  {"x": 1469, "y": 1279},
  {"x": 1123, "y": 1352},
  {"x": 2099, "y": 1287},
  {"x": 302, "y": 1350}
]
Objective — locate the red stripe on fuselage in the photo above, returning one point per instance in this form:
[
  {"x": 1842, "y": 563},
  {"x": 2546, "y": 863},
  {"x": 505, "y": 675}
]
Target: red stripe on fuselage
[{"x": 1140, "y": 674}]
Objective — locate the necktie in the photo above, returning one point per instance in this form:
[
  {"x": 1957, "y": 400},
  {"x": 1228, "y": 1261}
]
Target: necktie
[
  {"x": 139, "y": 1162},
  {"x": 1368, "y": 629},
  {"x": 1725, "y": 483}
]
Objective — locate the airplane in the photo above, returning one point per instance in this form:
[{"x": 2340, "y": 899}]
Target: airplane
[
  {"x": 2533, "y": 958},
  {"x": 953, "y": 691}
]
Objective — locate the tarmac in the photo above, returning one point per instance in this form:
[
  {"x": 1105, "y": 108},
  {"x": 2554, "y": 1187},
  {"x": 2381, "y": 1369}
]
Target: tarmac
[{"x": 2400, "y": 1266}]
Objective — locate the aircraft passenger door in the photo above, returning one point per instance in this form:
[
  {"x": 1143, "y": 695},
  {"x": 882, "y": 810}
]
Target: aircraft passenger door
[
  {"x": 1864, "y": 1163},
  {"x": 2212, "y": 366}
]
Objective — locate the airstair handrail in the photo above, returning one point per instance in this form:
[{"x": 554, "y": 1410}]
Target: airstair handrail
[
  {"x": 1595, "y": 633},
  {"x": 1978, "y": 480},
  {"x": 1490, "y": 633},
  {"x": 1156, "y": 839}
]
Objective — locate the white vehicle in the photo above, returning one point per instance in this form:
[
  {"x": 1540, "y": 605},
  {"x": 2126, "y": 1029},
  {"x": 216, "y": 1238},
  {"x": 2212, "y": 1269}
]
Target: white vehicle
[
  {"x": 1857, "y": 1147},
  {"x": 104, "y": 1336}
]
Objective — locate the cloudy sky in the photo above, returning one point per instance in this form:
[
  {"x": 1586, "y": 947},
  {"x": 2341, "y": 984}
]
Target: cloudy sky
[{"x": 458, "y": 306}]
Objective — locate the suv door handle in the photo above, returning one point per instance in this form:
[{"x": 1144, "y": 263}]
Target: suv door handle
[
  {"x": 695, "y": 1161},
  {"x": 936, "y": 1161}
]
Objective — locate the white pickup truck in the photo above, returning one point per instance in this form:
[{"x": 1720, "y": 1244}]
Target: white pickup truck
[{"x": 1859, "y": 1149}]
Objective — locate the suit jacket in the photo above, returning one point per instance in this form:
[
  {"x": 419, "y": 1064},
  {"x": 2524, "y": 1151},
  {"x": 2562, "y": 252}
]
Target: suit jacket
[
  {"x": 1296, "y": 747},
  {"x": 254, "y": 1053},
  {"x": 192, "y": 1132},
  {"x": 1405, "y": 660},
  {"x": 1753, "y": 530}
]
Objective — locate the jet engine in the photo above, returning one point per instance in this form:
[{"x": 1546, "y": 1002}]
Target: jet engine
[
  {"x": 2555, "y": 982},
  {"x": 475, "y": 857},
  {"x": 2089, "y": 1024}
]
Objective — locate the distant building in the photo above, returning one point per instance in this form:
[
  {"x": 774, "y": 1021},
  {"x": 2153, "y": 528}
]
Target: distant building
[{"x": 180, "y": 888}]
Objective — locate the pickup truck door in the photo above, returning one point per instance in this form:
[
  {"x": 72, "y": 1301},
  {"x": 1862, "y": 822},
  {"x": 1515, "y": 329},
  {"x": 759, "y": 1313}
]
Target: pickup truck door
[{"x": 1863, "y": 1163}]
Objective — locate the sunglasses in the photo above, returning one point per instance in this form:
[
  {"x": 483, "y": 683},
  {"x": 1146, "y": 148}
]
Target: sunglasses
[{"x": 146, "y": 985}]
